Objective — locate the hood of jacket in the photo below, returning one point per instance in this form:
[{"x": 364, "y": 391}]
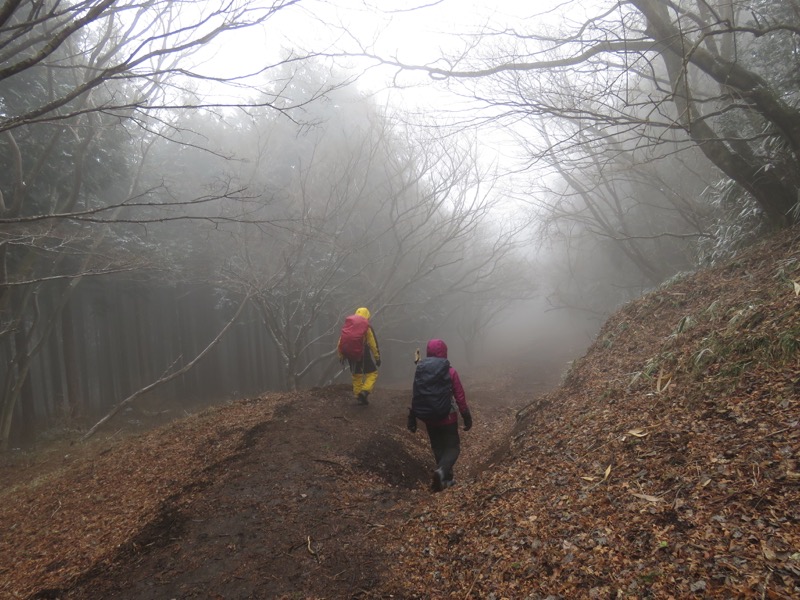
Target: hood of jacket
[
  {"x": 436, "y": 348},
  {"x": 363, "y": 312}
]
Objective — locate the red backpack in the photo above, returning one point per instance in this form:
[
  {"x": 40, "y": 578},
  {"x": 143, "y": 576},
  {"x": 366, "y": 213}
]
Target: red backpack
[{"x": 353, "y": 337}]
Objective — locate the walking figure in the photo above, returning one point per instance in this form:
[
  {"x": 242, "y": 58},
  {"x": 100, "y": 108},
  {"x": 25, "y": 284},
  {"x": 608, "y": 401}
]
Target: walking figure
[
  {"x": 437, "y": 399},
  {"x": 359, "y": 345}
]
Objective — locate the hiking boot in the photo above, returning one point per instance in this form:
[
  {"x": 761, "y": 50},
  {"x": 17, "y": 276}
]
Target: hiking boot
[
  {"x": 437, "y": 485},
  {"x": 448, "y": 483},
  {"x": 362, "y": 397}
]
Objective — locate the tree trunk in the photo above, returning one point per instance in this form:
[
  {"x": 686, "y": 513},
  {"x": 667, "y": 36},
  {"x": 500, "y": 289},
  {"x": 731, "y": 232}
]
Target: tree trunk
[
  {"x": 27, "y": 410},
  {"x": 763, "y": 183},
  {"x": 71, "y": 365}
]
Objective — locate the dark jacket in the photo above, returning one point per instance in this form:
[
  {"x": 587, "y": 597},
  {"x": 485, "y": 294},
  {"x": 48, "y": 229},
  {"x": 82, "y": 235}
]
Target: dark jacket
[{"x": 438, "y": 348}]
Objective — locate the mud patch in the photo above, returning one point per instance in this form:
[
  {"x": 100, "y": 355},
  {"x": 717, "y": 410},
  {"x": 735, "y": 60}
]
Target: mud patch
[{"x": 392, "y": 461}]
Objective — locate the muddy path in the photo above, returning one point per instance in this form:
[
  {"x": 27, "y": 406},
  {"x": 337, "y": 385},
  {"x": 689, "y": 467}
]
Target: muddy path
[{"x": 301, "y": 508}]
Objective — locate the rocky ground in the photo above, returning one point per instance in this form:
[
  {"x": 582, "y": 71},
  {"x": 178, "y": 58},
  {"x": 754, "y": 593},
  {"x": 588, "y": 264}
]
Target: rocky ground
[{"x": 666, "y": 465}]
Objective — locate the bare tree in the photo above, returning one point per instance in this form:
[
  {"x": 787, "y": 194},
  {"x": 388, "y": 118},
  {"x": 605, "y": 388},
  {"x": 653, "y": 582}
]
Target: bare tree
[
  {"x": 638, "y": 204},
  {"x": 123, "y": 58},
  {"x": 645, "y": 68},
  {"x": 654, "y": 132},
  {"x": 86, "y": 89},
  {"x": 374, "y": 214}
]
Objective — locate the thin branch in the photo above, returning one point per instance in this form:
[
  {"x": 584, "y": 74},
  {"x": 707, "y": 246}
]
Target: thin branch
[{"x": 170, "y": 377}]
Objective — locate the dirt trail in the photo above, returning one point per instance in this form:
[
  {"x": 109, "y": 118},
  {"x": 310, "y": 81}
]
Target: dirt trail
[{"x": 299, "y": 510}]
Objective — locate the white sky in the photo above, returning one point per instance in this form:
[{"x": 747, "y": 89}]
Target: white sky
[{"x": 413, "y": 31}]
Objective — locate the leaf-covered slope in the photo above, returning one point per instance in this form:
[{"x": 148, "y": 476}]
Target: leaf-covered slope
[
  {"x": 99, "y": 502},
  {"x": 665, "y": 466}
]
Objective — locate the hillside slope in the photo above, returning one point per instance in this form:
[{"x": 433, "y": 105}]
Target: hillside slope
[{"x": 666, "y": 465}]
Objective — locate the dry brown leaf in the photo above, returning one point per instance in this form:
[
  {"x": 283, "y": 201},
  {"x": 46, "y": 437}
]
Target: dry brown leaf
[
  {"x": 637, "y": 433},
  {"x": 769, "y": 554},
  {"x": 647, "y": 497},
  {"x": 666, "y": 378},
  {"x": 607, "y": 473}
]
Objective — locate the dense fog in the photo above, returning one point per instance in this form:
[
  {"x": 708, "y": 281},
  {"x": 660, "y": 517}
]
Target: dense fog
[{"x": 199, "y": 230}]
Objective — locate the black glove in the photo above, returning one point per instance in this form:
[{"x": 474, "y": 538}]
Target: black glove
[
  {"x": 467, "y": 421},
  {"x": 378, "y": 362},
  {"x": 412, "y": 423}
]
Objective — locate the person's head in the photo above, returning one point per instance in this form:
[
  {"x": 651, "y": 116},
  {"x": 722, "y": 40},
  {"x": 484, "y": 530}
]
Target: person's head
[
  {"x": 436, "y": 348},
  {"x": 363, "y": 312}
]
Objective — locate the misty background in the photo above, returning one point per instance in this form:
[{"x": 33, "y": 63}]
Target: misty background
[{"x": 196, "y": 193}]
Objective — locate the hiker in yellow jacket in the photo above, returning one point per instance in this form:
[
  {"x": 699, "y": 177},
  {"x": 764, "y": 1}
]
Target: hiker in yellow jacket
[{"x": 359, "y": 345}]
